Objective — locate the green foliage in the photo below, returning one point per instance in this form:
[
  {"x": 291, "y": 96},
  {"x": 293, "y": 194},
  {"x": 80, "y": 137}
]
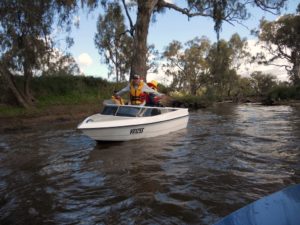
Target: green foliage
[
  {"x": 223, "y": 61},
  {"x": 262, "y": 83},
  {"x": 10, "y": 111},
  {"x": 229, "y": 10},
  {"x": 284, "y": 92},
  {"x": 60, "y": 65},
  {"x": 192, "y": 101},
  {"x": 4, "y": 91},
  {"x": 25, "y": 46},
  {"x": 211, "y": 95},
  {"x": 244, "y": 89},
  {"x": 282, "y": 39},
  {"x": 113, "y": 42},
  {"x": 164, "y": 89},
  {"x": 70, "y": 89},
  {"x": 52, "y": 90},
  {"x": 187, "y": 66}
]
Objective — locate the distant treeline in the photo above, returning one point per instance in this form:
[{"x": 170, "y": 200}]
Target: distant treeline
[
  {"x": 67, "y": 89},
  {"x": 282, "y": 93}
]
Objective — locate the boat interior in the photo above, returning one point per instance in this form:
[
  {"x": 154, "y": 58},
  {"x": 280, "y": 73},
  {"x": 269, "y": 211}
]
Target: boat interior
[{"x": 134, "y": 111}]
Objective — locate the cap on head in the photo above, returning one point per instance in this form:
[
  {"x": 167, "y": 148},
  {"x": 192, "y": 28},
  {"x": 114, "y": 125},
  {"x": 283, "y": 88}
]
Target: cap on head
[
  {"x": 136, "y": 76},
  {"x": 153, "y": 84}
]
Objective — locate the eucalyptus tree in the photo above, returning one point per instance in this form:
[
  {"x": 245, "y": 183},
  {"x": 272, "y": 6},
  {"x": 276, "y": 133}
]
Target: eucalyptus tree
[
  {"x": 113, "y": 42},
  {"x": 262, "y": 83},
  {"x": 282, "y": 41},
  {"x": 244, "y": 89},
  {"x": 220, "y": 70},
  {"x": 59, "y": 65},
  {"x": 187, "y": 66},
  {"x": 25, "y": 28},
  {"x": 224, "y": 60},
  {"x": 240, "y": 54},
  {"x": 230, "y": 11}
]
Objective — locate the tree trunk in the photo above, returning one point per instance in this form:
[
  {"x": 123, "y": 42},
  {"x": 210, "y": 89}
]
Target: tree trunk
[
  {"x": 27, "y": 78},
  {"x": 193, "y": 87},
  {"x": 8, "y": 77},
  {"x": 296, "y": 73},
  {"x": 139, "y": 58}
]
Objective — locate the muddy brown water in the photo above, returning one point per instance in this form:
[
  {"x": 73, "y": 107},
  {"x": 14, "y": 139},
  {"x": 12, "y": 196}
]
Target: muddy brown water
[{"x": 228, "y": 156}]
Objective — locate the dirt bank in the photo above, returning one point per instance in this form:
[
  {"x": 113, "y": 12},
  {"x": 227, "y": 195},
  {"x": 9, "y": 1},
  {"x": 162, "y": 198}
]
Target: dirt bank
[{"x": 66, "y": 114}]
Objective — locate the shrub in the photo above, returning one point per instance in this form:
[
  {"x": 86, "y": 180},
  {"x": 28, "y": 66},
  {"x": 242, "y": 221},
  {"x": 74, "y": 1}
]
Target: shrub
[{"x": 284, "y": 92}]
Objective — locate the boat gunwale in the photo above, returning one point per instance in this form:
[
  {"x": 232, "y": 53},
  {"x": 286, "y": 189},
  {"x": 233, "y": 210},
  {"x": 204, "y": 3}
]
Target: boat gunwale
[{"x": 133, "y": 125}]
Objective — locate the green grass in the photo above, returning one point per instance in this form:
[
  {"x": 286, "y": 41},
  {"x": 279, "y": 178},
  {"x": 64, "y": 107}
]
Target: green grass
[
  {"x": 57, "y": 91},
  {"x": 76, "y": 91},
  {"x": 68, "y": 99},
  {"x": 15, "y": 111}
]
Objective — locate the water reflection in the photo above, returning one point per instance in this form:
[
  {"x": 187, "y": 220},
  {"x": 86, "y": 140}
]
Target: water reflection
[{"x": 228, "y": 156}]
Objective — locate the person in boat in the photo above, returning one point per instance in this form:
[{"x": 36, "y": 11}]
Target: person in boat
[
  {"x": 151, "y": 98},
  {"x": 137, "y": 89},
  {"x": 117, "y": 100}
]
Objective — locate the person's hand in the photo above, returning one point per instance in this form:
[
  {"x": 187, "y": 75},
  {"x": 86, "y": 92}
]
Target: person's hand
[
  {"x": 165, "y": 100},
  {"x": 117, "y": 96},
  {"x": 156, "y": 99}
]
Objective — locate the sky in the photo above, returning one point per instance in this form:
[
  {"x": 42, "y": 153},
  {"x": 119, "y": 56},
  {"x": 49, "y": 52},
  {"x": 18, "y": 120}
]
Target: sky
[{"x": 169, "y": 26}]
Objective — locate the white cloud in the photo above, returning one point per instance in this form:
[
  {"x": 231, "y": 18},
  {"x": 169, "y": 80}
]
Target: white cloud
[{"x": 84, "y": 59}]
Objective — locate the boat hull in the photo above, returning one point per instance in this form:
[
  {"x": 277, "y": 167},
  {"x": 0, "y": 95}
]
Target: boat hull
[
  {"x": 280, "y": 208},
  {"x": 132, "y": 132}
]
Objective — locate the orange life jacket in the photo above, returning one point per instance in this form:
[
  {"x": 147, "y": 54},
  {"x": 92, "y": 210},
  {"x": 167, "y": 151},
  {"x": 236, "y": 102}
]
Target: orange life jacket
[{"x": 137, "y": 96}]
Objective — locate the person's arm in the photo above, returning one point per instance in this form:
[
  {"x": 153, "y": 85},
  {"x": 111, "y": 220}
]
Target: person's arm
[
  {"x": 147, "y": 89},
  {"x": 124, "y": 90}
]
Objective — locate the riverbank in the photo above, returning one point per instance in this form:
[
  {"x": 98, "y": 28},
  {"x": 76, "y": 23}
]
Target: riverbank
[
  {"x": 69, "y": 114},
  {"x": 49, "y": 115},
  {"x": 294, "y": 103},
  {"x": 19, "y": 118}
]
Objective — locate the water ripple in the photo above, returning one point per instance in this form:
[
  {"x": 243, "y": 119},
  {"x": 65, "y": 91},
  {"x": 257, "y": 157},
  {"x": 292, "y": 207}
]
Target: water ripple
[{"x": 229, "y": 156}]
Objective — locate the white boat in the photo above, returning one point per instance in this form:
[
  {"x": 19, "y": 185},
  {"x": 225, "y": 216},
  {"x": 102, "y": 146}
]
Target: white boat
[{"x": 129, "y": 122}]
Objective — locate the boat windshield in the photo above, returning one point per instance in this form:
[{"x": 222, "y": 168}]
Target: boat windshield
[
  {"x": 109, "y": 110},
  {"x": 128, "y": 111},
  {"x": 150, "y": 112}
]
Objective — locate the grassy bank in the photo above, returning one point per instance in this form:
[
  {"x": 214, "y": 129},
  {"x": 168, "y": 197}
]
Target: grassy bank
[
  {"x": 75, "y": 96},
  {"x": 62, "y": 93},
  {"x": 283, "y": 95},
  {"x": 58, "y": 92},
  {"x": 58, "y": 99}
]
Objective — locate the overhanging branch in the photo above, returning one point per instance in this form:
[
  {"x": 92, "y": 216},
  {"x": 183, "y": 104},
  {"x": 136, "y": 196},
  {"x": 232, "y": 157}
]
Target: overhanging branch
[
  {"x": 132, "y": 27},
  {"x": 184, "y": 11},
  {"x": 261, "y": 4}
]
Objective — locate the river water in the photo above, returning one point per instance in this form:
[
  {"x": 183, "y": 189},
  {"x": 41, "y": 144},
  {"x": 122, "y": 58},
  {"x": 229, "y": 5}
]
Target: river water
[{"x": 229, "y": 156}]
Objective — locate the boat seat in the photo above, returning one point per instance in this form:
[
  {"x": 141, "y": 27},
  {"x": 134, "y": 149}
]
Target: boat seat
[{"x": 155, "y": 112}]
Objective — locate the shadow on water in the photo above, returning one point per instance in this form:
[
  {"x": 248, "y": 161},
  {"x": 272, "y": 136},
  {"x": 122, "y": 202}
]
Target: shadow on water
[
  {"x": 108, "y": 144},
  {"x": 228, "y": 156}
]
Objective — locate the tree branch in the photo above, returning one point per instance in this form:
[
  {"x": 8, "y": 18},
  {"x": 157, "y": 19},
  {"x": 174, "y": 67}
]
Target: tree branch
[
  {"x": 132, "y": 27},
  {"x": 184, "y": 11},
  {"x": 261, "y": 4}
]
